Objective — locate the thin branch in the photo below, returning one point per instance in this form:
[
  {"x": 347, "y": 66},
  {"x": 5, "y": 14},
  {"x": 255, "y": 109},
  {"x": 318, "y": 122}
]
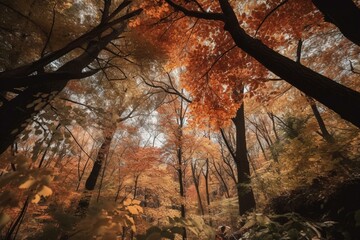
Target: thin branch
[
  {"x": 231, "y": 150},
  {"x": 268, "y": 15},
  {"x": 39, "y": 123},
  {"x": 167, "y": 89},
  {"x": 197, "y": 14},
  {"x": 50, "y": 32},
  {"x": 76, "y": 141},
  {"x": 190, "y": 34},
  {"x": 298, "y": 51},
  {"x": 81, "y": 104},
  {"x": 217, "y": 59}
]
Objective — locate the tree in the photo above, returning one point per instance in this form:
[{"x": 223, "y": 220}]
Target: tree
[
  {"x": 176, "y": 136},
  {"x": 39, "y": 85},
  {"x": 245, "y": 194},
  {"x": 330, "y": 93},
  {"x": 344, "y": 16}
]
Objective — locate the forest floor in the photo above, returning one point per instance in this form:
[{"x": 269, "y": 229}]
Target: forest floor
[{"x": 331, "y": 198}]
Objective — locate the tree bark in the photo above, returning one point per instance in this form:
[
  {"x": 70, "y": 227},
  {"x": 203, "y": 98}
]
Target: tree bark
[
  {"x": 330, "y": 93},
  {"x": 180, "y": 163},
  {"x": 206, "y": 176},
  {"x": 181, "y": 186},
  {"x": 333, "y": 95},
  {"x": 245, "y": 194},
  {"x": 324, "y": 132},
  {"x": 43, "y": 87},
  {"x": 344, "y": 14},
  {"x": 136, "y": 179},
  {"x": 94, "y": 174},
  {"x": 207, "y": 189}
]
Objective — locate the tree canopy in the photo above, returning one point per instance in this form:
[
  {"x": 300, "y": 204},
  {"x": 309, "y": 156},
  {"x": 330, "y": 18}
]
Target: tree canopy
[{"x": 179, "y": 119}]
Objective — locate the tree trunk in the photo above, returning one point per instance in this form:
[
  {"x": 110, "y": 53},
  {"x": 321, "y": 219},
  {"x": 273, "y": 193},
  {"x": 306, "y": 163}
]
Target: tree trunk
[
  {"x": 206, "y": 176},
  {"x": 82, "y": 172},
  {"x": 344, "y": 14},
  {"x": 272, "y": 118},
  {"x": 324, "y": 132},
  {"x": 222, "y": 180},
  {"x": 260, "y": 144},
  {"x": 180, "y": 171},
  {"x": 207, "y": 191},
  {"x": 196, "y": 179},
  {"x": 18, "y": 221},
  {"x": 94, "y": 174},
  {"x": 330, "y": 93},
  {"x": 181, "y": 186},
  {"x": 41, "y": 88},
  {"x": 136, "y": 185},
  {"x": 245, "y": 194},
  {"x": 333, "y": 95}
]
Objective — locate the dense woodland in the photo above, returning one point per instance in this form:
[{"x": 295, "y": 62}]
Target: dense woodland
[{"x": 180, "y": 119}]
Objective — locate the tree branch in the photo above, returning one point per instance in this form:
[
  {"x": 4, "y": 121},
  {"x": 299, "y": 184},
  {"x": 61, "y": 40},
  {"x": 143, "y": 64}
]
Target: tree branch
[
  {"x": 268, "y": 15},
  {"x": 197, "y": 14}
]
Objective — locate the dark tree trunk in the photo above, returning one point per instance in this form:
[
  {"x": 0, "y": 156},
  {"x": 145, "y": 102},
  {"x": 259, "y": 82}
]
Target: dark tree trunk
[
  {"x": 245, "y": 194},
  {"x": 41, "y": 88},
  {"x": 324, "y": 132},
  {"x": 333, "y": 95},
  {"x": 94, "y": 174},
  {"x": 16, "y": 225},
  {"x": 136, "y": 185},
  {"x": 81, "y": 174},
  {"x": 180, "y": 169},
  {"x": 181, "y": 187},
  {"x": 207, "y": 191},
  {"x": 206, "y": 176},
  {"x": 344, "y": 14}
]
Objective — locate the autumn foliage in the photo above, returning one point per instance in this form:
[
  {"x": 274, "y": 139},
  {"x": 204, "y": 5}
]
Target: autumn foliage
[{"x": 179, "y": 119}]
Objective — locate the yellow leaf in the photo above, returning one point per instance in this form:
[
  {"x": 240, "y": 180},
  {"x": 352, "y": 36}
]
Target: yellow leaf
[
  {"x": 45, "y": 191},
  {"x": 27, "y": 184},
  {"x": 36, "y": 199},
  {"x": 140, "y": 209},
  {"x": 130, "y": 219},
  {"x": 133, "y": 228},
  {"x": 133, "y": 210},
  {"x": 127, "y": 202},
  {"x": 136, "y": 202}
]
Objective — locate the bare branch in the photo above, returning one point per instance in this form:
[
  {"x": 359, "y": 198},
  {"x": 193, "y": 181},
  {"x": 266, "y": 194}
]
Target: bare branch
[
  {"x": 50, "y": 32},
  {"x": 77, "y": 142},
  {"x": 197, "y": 14},
  {"x": 231, "y": 150},
  {"x": 268, "y": 15}
]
